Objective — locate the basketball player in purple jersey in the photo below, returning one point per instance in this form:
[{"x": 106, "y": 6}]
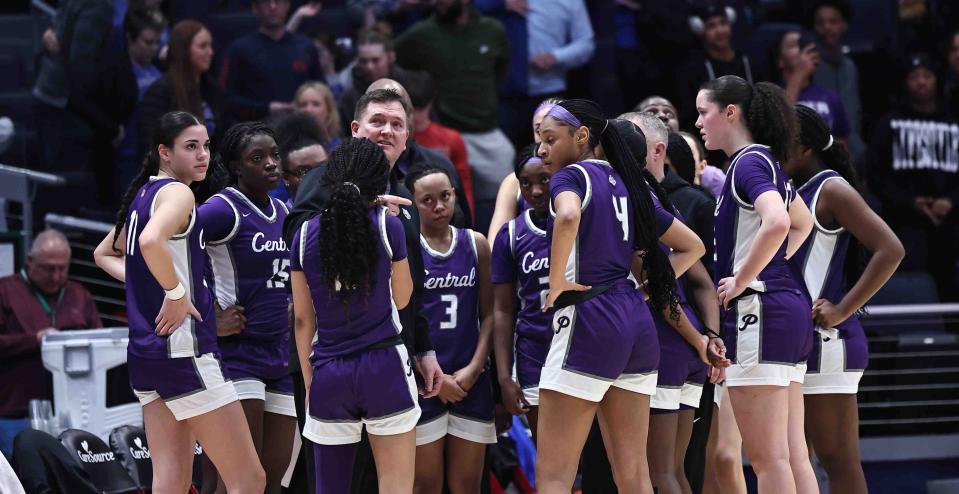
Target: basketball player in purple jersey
[
  {"x": 350, "y": 278},
  {"x": 843, "y": 222},
  {"x": 520, "y": 270},
  {"x": 759, "y": 223},
  {"x": 243, "y": 229},
  {"x": 604, "y": 352},
  {"x": 456, "y": 426},
  {"x": 509, "y": 199},
  {"x": 682, "y": 371},
  {"x": 157, "y": 249}
]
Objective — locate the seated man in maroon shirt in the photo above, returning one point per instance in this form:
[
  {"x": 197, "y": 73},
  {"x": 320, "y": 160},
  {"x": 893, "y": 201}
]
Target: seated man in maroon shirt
[{"x": 37, "y": 301}]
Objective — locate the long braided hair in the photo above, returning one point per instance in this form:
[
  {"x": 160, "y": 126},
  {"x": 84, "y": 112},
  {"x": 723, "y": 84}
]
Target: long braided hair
[
  {"x": 171, "y": 125},
  {"x": 357, "y": 172},
  {"x": 814, "y": 134},
  {"x": 661, "y": 281}
]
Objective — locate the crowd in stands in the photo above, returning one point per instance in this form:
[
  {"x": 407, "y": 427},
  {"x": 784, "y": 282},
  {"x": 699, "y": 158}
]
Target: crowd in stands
[{"x": 884, "y": 75}]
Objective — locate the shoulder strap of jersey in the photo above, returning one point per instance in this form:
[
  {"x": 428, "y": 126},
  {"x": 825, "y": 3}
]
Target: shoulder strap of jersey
[
  {"x": 381, "y": 224},
  {"x": 236, "y": 221}
]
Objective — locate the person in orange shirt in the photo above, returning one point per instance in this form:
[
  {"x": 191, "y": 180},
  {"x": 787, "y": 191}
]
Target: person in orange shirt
[{"x": 430, "y": 134}]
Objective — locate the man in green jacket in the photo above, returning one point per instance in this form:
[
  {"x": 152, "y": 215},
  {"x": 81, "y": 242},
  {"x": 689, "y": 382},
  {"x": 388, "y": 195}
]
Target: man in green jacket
[{"x": 467, "y": 54}]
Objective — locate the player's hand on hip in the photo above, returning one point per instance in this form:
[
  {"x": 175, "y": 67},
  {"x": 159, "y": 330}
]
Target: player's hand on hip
[
  {"x": 557, "y": 287},
  {"x": 729, "y": 288},
  {"x": 173, "y": 313}
]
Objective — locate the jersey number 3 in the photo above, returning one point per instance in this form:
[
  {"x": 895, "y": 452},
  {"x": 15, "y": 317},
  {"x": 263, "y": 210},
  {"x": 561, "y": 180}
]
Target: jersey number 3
[{"x": 452, "y": 306}]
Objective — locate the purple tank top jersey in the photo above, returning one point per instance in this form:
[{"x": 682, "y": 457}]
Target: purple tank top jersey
[
  {"x": 349, "y": 323},
  {"x": 521, "y": 257},
  {"x": 821, "y": 258},
  {"x": 752, "y": 171},
  {"x": 451, "y": 299},
  {"x": 250, "y": 260},
  {"x": 145, "y": 295},
  {"x": 603, "y": 250}
]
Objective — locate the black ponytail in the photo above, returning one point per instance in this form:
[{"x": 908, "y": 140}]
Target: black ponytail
[
  {"x": 661, "y": 281},
  {"x": 766, "y": 111},
  {"x": 635, "y": 141},
  {"x": 815, "y": 135},
  {"x": 357, "y": 172},
  {"x": 170, "y": 126}
]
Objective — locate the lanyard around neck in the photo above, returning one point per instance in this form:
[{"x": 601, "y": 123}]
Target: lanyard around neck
[{"x": 51, "y": 311}]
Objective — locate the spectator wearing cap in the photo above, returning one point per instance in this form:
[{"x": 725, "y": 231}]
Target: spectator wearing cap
[
  {"x": 912, "y": 166},
  {"x": 436, "y": 136},
  {"x": 836, "y": 71},
  {"x": 547, "y": 38},
  {"x": 262, "y": 70},
  {"x": 796, "y": 58},
  {"x": 468, "y": 56},
  {"x": 36, "y": 302},
  {"x": 712, "y": 22}
]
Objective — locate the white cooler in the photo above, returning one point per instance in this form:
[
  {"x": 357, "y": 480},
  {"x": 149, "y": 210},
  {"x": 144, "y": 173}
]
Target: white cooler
[{"x": 79, "y": 361}]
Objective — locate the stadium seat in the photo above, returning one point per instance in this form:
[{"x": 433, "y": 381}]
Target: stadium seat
[
  {"x": 98, "y": 461},
  {"x": 908, "y": 287},
  {"x": 129, "y": 443},
  {"x": 18, "y": 27}
]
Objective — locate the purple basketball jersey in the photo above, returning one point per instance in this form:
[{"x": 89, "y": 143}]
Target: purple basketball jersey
[
  {"x": 603, "y": 250},
  {"x": 348, "y": 324},
  {"x": 451, "y": 299},
  {"x": 821, "y": 258},
  {"x": 145, "y": 295},
  {"x": 521, "y": 257},
  {"x": 250, "y": 261},
  {"x": 752, "y": 171}
]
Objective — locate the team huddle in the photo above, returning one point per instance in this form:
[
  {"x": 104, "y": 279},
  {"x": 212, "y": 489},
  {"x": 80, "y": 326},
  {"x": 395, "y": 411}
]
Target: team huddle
[{"x": 589, "y": 293}]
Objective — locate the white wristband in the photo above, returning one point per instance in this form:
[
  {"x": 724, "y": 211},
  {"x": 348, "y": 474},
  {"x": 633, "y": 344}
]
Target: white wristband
[{"x": 176, "y": 293}]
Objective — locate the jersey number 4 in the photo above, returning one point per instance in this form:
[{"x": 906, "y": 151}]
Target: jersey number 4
[{"x": 619, "y": 205}]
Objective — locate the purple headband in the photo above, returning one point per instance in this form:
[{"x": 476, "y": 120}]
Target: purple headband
[
  {"x": 563, "y": 115},
  {"x": 536, "y": 160},
  {"x": 545, "y": 104}
]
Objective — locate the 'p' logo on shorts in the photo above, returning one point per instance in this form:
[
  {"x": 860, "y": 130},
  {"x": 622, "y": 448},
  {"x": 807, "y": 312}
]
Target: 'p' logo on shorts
[
  {"x": 747, "y": 321},
  {"x": 562, "y": 323}
]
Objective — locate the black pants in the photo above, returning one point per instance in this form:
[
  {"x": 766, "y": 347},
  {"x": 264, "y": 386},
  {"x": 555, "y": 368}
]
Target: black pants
[{"x": 44, "y": 466}]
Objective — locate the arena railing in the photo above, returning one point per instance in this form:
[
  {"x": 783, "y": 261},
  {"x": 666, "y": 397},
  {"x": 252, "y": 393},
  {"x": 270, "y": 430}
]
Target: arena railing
[
  {"x": 20, "y": 185},
  {"x": 84, "y": 235},
  {"x": 909, "y": 395}
]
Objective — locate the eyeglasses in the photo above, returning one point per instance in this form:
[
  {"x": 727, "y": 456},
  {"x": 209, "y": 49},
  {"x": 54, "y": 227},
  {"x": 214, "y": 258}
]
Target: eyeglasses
[{"x": 301, "y": 171}]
